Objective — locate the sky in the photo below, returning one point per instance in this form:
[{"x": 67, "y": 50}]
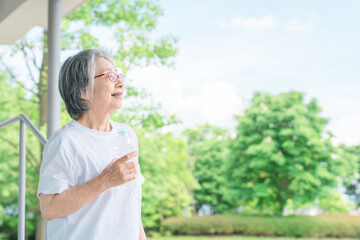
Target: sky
[{"x": 230, "y": 49}]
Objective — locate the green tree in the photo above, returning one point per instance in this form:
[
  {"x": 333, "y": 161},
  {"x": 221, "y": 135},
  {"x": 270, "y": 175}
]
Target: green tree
[
  {"x": 169, "y": 180},
  {"x": 208, "y": 148},
  {"x": 332, "y": 202},
  {"x": 128, "y": 24},
  {"x": 282, "y": 152},
  {"x": 351, "y": 180}
]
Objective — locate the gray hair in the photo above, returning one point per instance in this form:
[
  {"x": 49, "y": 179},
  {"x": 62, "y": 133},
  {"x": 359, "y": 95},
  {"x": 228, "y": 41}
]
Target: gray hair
[{"x": 77, "y": 76}]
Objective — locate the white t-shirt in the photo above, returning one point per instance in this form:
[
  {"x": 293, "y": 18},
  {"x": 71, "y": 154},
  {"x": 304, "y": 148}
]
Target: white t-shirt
[{"x": 74, "y": 155}]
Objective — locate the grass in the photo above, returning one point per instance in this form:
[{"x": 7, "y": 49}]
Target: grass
[{"x": 237, "y": 238}]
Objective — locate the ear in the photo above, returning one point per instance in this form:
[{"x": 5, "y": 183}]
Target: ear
[{"x": 85, "y": 95}]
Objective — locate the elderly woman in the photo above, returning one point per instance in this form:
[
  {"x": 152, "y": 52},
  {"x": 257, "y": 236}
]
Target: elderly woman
[{"x": 86, "y": 193}]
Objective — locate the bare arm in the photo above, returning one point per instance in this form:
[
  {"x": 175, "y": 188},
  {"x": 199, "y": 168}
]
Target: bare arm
[
  {"x": 62, "y": 204},
  {"x": 142, "y": 232}
]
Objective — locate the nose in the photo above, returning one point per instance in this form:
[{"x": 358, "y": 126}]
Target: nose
[{"x": 119, "y": 82}]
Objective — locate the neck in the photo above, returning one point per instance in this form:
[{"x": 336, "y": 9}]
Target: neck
[{"x": 98, "y": 122}]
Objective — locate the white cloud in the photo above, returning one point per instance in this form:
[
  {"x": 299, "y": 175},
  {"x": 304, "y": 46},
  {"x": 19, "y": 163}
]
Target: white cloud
[
  {"x": 298, "y": 26},
  {"x": 256, "y": 24},
  {"x": 213, "y": 102},
  {"x": 195, "y": 99}
]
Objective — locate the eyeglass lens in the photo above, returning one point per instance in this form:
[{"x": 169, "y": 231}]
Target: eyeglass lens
[{"x": 114, "y": 76}]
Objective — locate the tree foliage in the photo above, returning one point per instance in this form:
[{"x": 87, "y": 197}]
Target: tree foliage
[
  {"x": 351, "y": 157},
  {"x": 14, "y": 102},
  {"x": 208, "y": 149},
  {"x": 169, "y": 180},
  {"x": 282, "y": 152},
  {"x": 128, "y": 25}
]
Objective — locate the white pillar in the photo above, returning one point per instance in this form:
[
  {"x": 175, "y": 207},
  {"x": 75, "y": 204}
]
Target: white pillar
[{"x": 54, "y": 47}]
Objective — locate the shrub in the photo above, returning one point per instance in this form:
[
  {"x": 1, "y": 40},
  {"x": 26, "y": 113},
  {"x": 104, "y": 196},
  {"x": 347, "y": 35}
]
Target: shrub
[{"x": 290, "y": 226}]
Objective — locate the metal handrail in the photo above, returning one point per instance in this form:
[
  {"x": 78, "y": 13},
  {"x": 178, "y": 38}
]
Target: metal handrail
[
  {"x": 28, "y": 123},
  {"x": 24, "y": 120}
]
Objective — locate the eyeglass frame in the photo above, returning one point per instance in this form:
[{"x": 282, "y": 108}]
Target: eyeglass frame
[{"x": 119, "y": 75}]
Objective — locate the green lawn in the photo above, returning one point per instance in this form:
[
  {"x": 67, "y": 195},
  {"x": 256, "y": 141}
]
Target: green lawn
[{"x": 236, "y": 238}]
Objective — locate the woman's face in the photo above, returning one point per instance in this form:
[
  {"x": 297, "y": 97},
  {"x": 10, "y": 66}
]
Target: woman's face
[{"x": 107, "y": 96}]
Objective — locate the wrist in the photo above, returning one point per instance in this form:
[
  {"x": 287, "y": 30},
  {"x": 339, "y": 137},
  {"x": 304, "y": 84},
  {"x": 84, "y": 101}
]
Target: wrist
[{"x": 100, "y": 184}]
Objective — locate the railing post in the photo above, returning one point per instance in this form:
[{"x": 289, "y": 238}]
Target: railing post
[
  {"x": 22, "y": 180},
  {"x": 24, "y": 121}
]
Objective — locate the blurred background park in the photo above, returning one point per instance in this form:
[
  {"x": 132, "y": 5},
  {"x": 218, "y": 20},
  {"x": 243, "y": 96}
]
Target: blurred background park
[{"x": 247, "y": 113}]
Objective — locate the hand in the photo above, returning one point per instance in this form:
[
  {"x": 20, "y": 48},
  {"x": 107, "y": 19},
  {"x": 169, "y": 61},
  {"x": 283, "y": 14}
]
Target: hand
[{"x": 118, "y": 171}]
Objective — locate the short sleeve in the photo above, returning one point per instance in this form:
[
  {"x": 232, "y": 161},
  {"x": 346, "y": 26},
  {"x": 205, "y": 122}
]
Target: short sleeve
[{"x": 56, "y": 171}]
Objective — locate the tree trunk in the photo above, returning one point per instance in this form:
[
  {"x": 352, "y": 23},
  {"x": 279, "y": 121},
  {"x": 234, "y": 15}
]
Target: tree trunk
[
  {"x": 282, "y": 207},
  {"x": 42, "y": 92}
]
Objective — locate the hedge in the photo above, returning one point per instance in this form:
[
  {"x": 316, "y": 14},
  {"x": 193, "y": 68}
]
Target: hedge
[{"x": 344, "y": 226}]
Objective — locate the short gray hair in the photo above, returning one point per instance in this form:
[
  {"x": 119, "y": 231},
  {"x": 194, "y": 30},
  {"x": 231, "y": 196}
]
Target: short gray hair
[{"x": 77, "y": 76}]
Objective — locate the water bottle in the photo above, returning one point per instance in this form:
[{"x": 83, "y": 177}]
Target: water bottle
[{"x": 124, "y": 144}]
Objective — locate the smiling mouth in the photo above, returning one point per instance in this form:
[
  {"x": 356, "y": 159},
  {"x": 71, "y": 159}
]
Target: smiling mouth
[{"x": 116, "y": 94}]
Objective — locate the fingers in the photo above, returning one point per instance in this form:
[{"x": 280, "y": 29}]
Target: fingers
[
  {"x": 118, "y": 171},
  {"x": 130, "y": 171},
  {"x": 131, "y": 165},
  {"x": 127, "y": 157},
  {"x": 127, "y": 171},
  {"x": 134, "y": 176},
  {"x": 130, "y": 174}
]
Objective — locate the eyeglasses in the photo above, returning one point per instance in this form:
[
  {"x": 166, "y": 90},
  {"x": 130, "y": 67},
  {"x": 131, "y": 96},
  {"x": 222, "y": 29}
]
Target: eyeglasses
[{"x": 113, "y": 76}]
